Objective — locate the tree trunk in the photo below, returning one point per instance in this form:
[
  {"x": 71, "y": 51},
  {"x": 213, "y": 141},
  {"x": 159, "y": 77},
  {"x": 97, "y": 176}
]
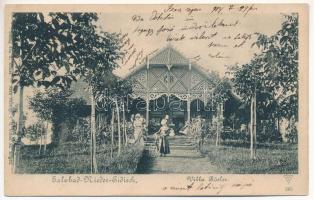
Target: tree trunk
[
  {"x": 45, "y": 138},
  {"x": 124, "y": 126},
  {"x": 93, "y": 135},
  {"x": 112, "y": 133},
  {"x": 253, "y": 127},
  {"x": 217, "y": 134},
  {"x": 218, "y": 125},
  {"x": 278, "y": 127},
  {"x": 41, "y": 130},
  {"x": 17, "y": 145},
  {"x": 221, "y": 120},
  {"x": 119, "y": 127}
]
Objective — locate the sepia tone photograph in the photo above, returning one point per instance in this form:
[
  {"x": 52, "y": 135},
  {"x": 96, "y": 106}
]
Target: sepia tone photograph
[{"x": 174, "y": 99}]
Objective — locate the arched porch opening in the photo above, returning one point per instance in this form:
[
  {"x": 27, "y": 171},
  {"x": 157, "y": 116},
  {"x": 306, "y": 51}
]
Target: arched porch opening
[
  {"x": 137, "y": 106},
  {"x": 170, "y": 105}
]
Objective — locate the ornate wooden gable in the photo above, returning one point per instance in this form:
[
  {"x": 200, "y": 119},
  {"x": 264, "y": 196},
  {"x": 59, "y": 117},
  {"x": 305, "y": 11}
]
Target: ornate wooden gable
[{"x": 168, "y": 72}]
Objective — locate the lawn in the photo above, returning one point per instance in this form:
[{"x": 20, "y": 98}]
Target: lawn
[
  {"x": 74, "y": 158},
  {"x": 234, "y": 158}
]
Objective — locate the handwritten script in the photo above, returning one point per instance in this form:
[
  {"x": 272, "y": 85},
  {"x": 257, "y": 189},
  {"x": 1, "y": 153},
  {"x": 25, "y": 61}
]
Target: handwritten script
[
  {"x": 218, "y": 27},
  {"x": 216, "y": 184}
]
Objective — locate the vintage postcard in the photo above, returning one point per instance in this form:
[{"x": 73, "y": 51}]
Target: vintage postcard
[{"x": 169, "y": 99}]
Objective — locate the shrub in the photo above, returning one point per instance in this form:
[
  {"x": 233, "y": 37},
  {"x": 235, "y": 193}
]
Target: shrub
[
  {"x": 74, "y": 157},
  {"x": 127, "y": 161}
]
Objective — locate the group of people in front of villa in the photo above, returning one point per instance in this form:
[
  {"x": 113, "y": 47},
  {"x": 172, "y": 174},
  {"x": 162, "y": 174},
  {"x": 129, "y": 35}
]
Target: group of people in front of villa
[{"x": 139, "y": 128}]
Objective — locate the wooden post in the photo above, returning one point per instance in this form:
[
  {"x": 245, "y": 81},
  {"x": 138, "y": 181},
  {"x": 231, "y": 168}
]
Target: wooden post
[
  {"x": 112, "y": 133},
  {"x": 189, "y": 100},
  {"x": 147, "y": 93},
  {"x": 218, "y": 125},
  {"x": 124, "y": 126},
  {"x": 222, "y": 116},
  {"x": 45, "y": 138},
  {"x": 41, "y": 137},
  {"x": 253, "y": 127},
  {"x": 20, "y": 124},
  {"x": 147, "y": 111},
  {"x": 188, "y": 110},
  {"x": 119, "y": 128},
  {"x": 93, "y": 134}
]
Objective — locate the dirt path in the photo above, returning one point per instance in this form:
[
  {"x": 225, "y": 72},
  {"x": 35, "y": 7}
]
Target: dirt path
[{"x": 183, "y": 159}]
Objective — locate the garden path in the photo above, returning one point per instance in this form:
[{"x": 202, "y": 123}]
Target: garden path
[{"x": 183, "y": 159}]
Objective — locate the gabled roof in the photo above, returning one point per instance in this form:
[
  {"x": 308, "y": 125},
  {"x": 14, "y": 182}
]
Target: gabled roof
[{"x": 168, "y": 55}]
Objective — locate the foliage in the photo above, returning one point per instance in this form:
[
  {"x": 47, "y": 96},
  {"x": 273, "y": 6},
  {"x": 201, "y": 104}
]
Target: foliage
[
  {"x": 93, "y": 53},
  {"x": 248, "y": 79},
  {"x": 267, "y": 131},
  {"x": 34, "y": 131},
  {"x": 38, "y": 50},
  {"x": 220, "y": 91},
  {"x": 80, "y": 132},
  {"x": 280, "y": 62},
  {"x": 292, "y": 132},
  {"x": 54, "y": 49},
  {"x": 237, "y": 135},
  {"x": 56, "y": 106},
  {"x": 272, "y": 75},
  {"x": 126, "y": 162}
]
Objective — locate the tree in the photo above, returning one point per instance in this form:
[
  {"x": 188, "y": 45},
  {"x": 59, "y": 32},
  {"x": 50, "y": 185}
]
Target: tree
[
  {"x": 116, "y": 96},
  {"x": 36, "y": 58},
  {"x": 119, "y": 95},
  {"x": 55, "y": 105},
  {"x": 218, "y": 98},
  {"x": 280, "y": 57},
  {"x": 97, "y": 56},
  {"x": 33, "y": 132},
  {"x": 55, "y": 49},
  {"x": 271, "y": 76},
  {"x": 248, "y": 80},
  {"x": 280, "y": 62}
]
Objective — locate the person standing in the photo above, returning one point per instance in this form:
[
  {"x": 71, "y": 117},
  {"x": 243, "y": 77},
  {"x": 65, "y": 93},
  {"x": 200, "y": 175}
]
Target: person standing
[
  {"x": 138, "y": 127},
  {"x": 162, "y": 137}
]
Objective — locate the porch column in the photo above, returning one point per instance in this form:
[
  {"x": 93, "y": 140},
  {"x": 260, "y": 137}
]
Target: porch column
[
  {"x": 188, "y": 103},
  {"x": 147, "y": 110},
  {"x": 188, "y": 107},
  {"x": 189, "y": 94},
  {"x": 147, "y": 93}
]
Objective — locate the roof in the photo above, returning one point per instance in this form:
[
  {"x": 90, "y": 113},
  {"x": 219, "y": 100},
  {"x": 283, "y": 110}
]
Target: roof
[{"x": 168, "y": 55}]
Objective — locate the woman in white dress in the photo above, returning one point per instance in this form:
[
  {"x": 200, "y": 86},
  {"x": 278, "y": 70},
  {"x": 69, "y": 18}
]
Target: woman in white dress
[
  {"x": 162, "y": 137},
  {"x": 138, "y": 127}
]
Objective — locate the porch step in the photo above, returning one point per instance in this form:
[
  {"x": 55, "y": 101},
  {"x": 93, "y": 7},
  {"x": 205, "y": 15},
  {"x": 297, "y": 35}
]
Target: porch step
[
  {"x": 153, "y": 147},
  {"x": 175, "y": 142}
]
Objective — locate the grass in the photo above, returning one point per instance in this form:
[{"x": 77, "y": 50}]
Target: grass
[
  {"x": 234, "y": 158},
  {"x": 230, "y": 157},
  {"x": 74, "y": 158}
]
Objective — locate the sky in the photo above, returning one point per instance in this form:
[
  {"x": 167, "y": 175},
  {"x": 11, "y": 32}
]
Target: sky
[{"x": 214, "y": 51}]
